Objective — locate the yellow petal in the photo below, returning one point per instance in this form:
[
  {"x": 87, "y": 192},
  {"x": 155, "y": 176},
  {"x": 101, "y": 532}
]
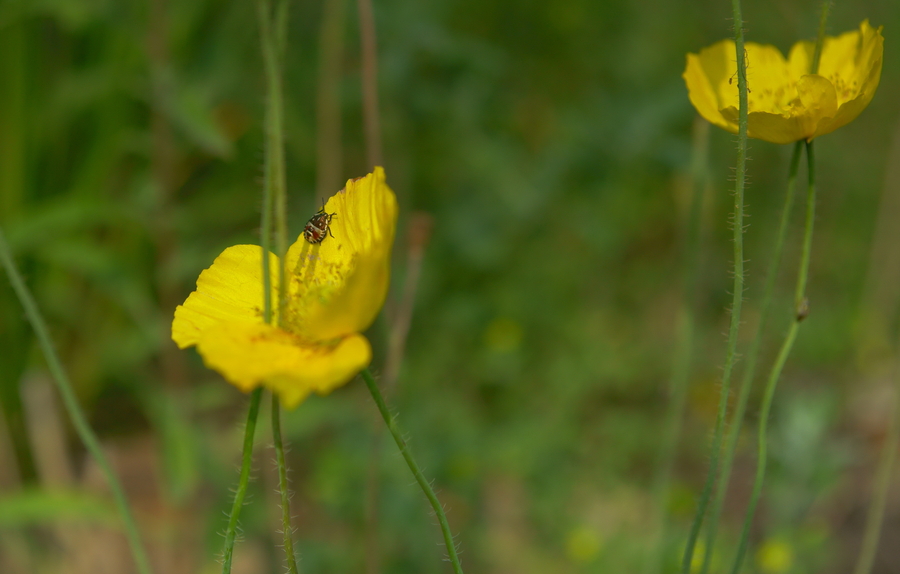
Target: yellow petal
[
  {"x": 850, "y": 57},
  {"x": 711, "y": 77},
  {"x": 252, "y": 354},
  {"x": 852, "y": 62},
  {"x": 845, "y": 114},
  {"x": 339, "y": 285},
  {"x": 801, "y": 57},
  {"x": 703, "y": 75},
  {"x": 814, "y": 101},
  {"x": 818, "y": 100},
  {"x": 775, "y": 128},
  {"x": 769, "y": 80},
  {"x": 230, "y": 290}
]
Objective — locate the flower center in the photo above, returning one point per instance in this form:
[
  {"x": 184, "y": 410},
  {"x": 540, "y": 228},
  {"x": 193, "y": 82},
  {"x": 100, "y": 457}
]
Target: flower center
[{"x": 778, "y": 99}]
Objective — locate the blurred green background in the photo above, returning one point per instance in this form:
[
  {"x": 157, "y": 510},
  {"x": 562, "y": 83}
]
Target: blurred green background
[{"x": 551, "y": 145}]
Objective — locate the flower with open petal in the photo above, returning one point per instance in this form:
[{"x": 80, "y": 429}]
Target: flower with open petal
[
  {"x": 785, "y": 102},
  {"x": 335, "y": 289}
]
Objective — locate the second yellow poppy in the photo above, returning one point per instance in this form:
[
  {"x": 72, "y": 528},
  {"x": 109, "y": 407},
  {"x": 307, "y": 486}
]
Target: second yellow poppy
[{"x": 786, "y": 103}]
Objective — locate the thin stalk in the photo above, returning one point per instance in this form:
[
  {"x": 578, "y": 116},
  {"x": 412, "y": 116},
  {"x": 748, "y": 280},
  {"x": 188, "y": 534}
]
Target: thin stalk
[
  {"x": 369, "y": 49},
  {"x": 243, "y": 481},
  {"x": 740, "y": 409},
  {"x": 287, "y": 529},
  {"x": 273, "y": 195},
  {"x": 368, "y": 46},
  {"x": 275, "y": 185},
  {"x": 79, "y": 421},
  {"x": 738, "y": 289},
  {"x": 392, "y": 426},
  {"x": 820, "y": 37},
  {"x": 800, "y": 302},
  {"x": 281, "y": 17},
  {"x": 801, "y": 310},
  {"x": 273, "y": 37},
  {"x": 328, "y": 100},
  {"x": 875, "y": 517},
  {"x": 265, "y": 242},
  {"x": 681, "y": 366},
  {"x": 419, "y": 231}
]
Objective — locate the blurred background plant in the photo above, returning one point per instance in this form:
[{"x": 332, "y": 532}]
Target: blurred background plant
[{"x": 551, "y": 143}]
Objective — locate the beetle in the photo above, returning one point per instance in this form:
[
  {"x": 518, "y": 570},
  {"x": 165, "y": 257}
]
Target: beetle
[{"x": 317, "y": 227}]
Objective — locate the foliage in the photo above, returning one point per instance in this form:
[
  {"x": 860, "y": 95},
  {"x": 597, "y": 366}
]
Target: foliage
[{"x": 551, "y": 143}]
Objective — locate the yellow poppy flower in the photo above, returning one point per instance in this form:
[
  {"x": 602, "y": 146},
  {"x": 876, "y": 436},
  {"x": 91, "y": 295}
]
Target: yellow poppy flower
[
  {"x": 334, "y": 291},
  {"x": 785, "y": 102}
]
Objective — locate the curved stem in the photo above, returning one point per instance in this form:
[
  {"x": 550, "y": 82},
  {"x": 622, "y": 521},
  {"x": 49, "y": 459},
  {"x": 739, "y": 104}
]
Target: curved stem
[
  {"x": 740, "y": 409},
  {"x": 762, "y": 443},
  {"x": 243, "y": 481},
  {"x": 79, "y": 421},
  {"x": 801, "y": 310},
  {"x": 391, "y": 422},
  {"x": 738, "y": 289},
  {"x": 287, "y": 529}
]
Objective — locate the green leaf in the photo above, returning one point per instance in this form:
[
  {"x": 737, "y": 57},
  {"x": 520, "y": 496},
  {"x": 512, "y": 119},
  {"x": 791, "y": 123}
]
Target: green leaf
[{"x": 38, "y": 507}]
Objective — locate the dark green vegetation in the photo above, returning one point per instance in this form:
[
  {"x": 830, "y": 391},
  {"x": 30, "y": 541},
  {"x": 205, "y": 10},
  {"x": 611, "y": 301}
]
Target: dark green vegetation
[{"x": 551, "y": 143}]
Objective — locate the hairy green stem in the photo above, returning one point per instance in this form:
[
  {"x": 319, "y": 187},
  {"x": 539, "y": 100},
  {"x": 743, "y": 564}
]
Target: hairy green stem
[
  {"x": 243, "y": 481},
  {"x": 275, "y": 195},
  {"x": 801, "y": 310},
  {"x": 273, "y": 201},
  {"x": 391, "y": 422},
  {"x": 740, "y": 409},
  {"x": 738, "y": 289},
  {"x": 287, "y": 529},
  {"x": 273, "y": 38},
  {"x": 79, "y": 421}
]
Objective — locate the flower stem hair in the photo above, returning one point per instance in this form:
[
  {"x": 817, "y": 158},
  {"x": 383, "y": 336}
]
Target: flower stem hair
[
  {"x": 391, "y": 422},
  {"x": 243, "y": 481},
  {"x": 800, "y": 311},
  {"x": 740, "y": 408},
  {"x": 737, "y": 289}
]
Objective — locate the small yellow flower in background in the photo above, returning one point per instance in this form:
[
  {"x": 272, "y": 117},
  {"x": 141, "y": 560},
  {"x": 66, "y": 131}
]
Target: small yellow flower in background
[
  {"x": 335, "y": 289},
  {"x": 775, "y": 556},
  {"x": 715, "y": 562},
  {"x": 786, "y": 103},
  {"x": 503, "y": 335},
  {"x": 583, "y": 544}
]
